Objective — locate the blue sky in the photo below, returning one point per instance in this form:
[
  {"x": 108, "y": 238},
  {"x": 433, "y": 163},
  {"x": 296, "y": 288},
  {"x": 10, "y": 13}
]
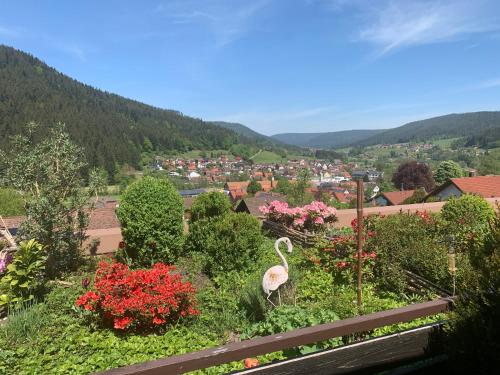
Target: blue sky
[{"x": 274, "y": 65}]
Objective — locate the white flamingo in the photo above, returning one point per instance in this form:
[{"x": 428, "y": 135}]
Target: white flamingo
[{"x": 277, "y": 275}]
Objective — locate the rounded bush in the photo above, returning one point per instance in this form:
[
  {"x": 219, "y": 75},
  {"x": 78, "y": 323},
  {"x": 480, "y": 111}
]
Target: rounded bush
[
  {"x": 467, "y": 220},
  {"x": 210, "y": 205},
  {"x": 151, "y": 216},
  {"x": 230, "y": 243}
]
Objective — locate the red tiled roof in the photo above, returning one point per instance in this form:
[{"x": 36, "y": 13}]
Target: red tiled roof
[
  {"x": 397, "y": 197},
  {"x": 237, "y": 194},
  {"x": 485, "y": 186},
  {"x": 341, "y": 197},
  {"x": 266, "y": 185},
  {"x": 237, "y": 185},
  {"x": 104, "y": 217},
  {"x": 12, "y": 221}
]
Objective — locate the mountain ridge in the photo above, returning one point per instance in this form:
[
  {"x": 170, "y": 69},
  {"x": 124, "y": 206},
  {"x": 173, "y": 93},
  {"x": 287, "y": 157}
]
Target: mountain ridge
[
  {"x": 453, "y": 125},
  {"x": 336, "y": 139},
  {"x": 476, "y": 128}
]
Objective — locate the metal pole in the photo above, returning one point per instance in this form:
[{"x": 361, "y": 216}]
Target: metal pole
[{"x": 359, "y": 209}]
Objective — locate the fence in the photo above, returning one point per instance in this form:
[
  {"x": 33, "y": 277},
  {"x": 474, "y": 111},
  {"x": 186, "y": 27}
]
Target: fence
[
  {"x": 302, "y": 238},
  {"x": 249, "y": 348}
]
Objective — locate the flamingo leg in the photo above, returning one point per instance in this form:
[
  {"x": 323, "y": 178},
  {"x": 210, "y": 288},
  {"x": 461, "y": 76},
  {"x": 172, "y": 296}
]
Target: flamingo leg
[
  {"x": 279, "y": 296},
  {"x": 271, "y": 302}
]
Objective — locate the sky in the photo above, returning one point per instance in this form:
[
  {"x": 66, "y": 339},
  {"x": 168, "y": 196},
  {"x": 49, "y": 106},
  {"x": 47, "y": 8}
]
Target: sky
[{"x": 274, "y": 65}]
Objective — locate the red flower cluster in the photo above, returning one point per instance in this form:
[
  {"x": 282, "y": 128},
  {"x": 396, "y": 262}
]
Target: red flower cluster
[
  {"x": 424, "y": 215},
  {"x": 139, "y": 299}
]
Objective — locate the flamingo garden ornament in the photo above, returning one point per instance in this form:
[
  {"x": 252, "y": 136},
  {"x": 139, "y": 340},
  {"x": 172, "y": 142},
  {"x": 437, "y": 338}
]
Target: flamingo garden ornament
[{"x": 277, "y": 275}]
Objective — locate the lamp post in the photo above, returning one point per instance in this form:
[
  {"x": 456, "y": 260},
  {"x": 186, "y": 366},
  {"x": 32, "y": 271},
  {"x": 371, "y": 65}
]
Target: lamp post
[{"x": 359, "y": 210}]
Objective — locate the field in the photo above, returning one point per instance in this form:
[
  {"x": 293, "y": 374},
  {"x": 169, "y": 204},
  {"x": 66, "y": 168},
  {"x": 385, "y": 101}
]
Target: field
[
  {"x": 267, "y": 157},
  {"x": 444, "y": 143}
]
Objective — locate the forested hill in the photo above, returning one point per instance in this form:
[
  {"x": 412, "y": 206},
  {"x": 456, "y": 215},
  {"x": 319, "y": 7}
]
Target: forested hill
[
  {"x": 326, "y": 140},
  {"x": 245, "y": 131},
  {"x": 112, "y": 129},
  {"x": 475, "y": 125}
]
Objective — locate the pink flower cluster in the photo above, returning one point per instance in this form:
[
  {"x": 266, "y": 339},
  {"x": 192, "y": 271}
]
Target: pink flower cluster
[{"x": 314, "y": 216}]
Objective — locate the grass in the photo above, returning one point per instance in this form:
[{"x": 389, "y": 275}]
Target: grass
[
  {"x": 267, "y": 157},
  {"x": 444, "y": 143}
]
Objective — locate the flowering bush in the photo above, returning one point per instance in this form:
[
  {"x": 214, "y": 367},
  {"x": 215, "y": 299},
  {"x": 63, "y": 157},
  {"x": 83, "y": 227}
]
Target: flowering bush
[
  {"x": 414, "y": 242},
  {"x": 5, "y": 260},
  {"x": 340, "y": 256},
  {"x": 312, "y": 217},
  {"x": 138, "y": 299}
]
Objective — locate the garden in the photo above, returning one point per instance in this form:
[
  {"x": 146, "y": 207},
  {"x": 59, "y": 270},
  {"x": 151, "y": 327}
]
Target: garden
[{"x": 167, "y": 292}]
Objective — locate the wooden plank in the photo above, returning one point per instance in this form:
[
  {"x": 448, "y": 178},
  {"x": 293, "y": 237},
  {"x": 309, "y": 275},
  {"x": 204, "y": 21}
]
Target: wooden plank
[
  {"x": 250, "y": 348},
  {"x": 372, "y": 353}
]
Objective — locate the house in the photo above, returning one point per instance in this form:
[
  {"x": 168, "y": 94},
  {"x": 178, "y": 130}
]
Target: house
[
  {"x": 192, "y": 192},
  {"x": 251, "y": 205},
  {"x": 342, "y": 197},
  {"x": 237, "y": 190},
  {"x": 369, "y": 175},
  {"x": 484, "y": 186},
  {"x": 391, "y": 198},
  {"x": 236, "y": 185},
  {"x": 193, "y": 175},
  {"x": 268, "y": 185}
]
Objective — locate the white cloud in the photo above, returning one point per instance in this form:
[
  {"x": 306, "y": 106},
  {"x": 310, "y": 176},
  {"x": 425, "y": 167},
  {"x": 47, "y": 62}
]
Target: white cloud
[
  {"x": 391, "y": 25},
  {"x": 226, "y": 20},
  {"x": 487, "y": 84}
]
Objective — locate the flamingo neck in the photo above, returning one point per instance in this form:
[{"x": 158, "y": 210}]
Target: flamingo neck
[{"x": 283, "y": 260}]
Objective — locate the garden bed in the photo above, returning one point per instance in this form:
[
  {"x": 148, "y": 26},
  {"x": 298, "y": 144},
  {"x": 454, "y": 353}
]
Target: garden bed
[{"x": 53, "y": 337}]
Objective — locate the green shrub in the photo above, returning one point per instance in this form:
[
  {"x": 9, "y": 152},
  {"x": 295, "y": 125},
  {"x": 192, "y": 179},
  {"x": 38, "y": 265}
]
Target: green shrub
[
  {"x": 253, "y": 187},
  {"x": 11, "y": 203},
  {"x": 25, "y": 275},
  {"x": 316, "y": 285},
  {"x": 151, "y": 216},
  {"x": 210, "y": 205},
  {"x": 417, "y": 197},
  {"x": 447, "y": 169},
  {"x": 408, "y": 241},
  {"x": 232, "y": 242},
  {"x": 48, "y": 169},
  {"x": 467, "y": 220},
  {"x": 472, "y": 335}
]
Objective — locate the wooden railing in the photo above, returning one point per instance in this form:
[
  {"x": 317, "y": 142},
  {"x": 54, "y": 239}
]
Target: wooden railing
[{"x": 249, "y": 348}]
